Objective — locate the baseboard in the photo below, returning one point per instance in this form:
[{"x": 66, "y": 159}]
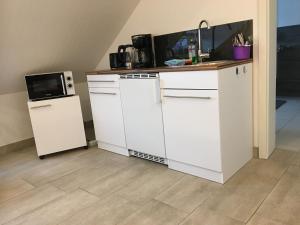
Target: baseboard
[
  {"x": 92, "y": 143},
  {"x": 113, "y": 148},
  {"x": 17, "y": 146},
  {"x": 255, "y": 152},
  {"x": 196, "y": 171}
]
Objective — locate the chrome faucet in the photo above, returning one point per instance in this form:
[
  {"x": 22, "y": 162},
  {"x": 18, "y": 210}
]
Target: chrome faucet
[{"x": 202, "y": 55}]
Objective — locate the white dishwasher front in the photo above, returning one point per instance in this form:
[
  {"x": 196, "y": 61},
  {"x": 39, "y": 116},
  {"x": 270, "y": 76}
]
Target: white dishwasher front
[{"x": 140, "y": 94}]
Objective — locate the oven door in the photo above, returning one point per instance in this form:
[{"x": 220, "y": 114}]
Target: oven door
[{"x": 45, "y": 86}]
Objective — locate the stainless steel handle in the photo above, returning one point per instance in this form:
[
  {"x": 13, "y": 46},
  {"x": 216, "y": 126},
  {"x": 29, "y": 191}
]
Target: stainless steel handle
[
  {"x": 103, "y": 93},
  {"x": 103, "y": 81},
  {"x": 40, "y": 106},
  {"x": 196, "y": 97}
]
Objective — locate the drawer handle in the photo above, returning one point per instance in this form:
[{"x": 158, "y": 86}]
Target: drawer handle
[
  {"x": 173, "y": 96},
  {"x": 102, "y": 81},
  {"x": 40, "y": 106},
  {"x": 103, "y": 93}
]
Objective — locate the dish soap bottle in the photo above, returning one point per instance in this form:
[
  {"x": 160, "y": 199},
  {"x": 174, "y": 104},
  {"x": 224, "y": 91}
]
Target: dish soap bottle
[{"x": 192, "y": 51}]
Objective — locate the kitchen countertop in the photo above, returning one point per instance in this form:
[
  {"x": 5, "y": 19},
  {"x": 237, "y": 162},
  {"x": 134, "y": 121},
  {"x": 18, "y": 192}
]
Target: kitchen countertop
[{"x": 213, "y": 65}]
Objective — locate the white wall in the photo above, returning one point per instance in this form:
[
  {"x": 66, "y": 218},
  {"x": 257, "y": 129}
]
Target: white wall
[
  {"x": 161, "y": 17},
  {"x": 51, "y": 35},
  {"x": 14, "y": 117},
  {"x": 288, "y": 12},
  {"x": 56, "y": 35}
]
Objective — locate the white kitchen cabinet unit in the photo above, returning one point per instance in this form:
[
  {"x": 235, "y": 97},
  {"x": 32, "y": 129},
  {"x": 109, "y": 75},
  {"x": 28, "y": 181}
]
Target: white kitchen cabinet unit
[
  {"x": 208, "y": 121},
  {"x": 107, "y": 112},
  {"x": 57, "y": 124}
]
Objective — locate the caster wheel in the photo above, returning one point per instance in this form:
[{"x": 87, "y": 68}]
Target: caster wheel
[
  {"x": 86, "y": 147},
  {"x": 42, "y": 157}
]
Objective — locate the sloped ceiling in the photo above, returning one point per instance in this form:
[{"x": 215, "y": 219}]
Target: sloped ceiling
[{"x": 54, "y": 35}]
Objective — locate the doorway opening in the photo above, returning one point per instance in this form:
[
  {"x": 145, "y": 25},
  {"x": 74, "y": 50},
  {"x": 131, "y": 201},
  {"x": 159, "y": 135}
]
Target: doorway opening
[{"x": 288, "y": 75}]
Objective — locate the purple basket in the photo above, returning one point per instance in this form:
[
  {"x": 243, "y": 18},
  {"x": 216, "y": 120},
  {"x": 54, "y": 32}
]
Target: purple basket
[{"x": 241, "y": 52}]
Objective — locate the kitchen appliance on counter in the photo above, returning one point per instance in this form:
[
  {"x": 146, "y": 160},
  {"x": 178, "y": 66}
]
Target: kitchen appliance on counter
[
  {"x": 142, "y": 114},
  {"x": 121, "y": 59},
  {"x": 49, "y": 85},
  {"x": 143, "y": 56}
]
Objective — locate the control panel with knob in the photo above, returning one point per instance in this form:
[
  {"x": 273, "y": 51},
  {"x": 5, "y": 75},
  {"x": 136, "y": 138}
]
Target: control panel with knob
[{"x": 69, "y": 83}]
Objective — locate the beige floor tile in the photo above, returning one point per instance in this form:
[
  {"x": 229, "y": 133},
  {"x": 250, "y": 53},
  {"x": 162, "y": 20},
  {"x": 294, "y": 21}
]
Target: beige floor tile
[
  {"x": 150, "y": 184},
  {"x": 231, "y": 204},
  {"x": 283, "y": 156},
  {"x": 45, "y": 173},
  {"x": 266, "y": 168},
  {"x": 156, "y": 213},
  {"x": 188, "y": 193},
  {"x": 116, "y": 181},
  {"x": 58, "y": 210},
  {"x": 12, "y": 159},
  {"x": 10, "y": 188},
  {"x": 296, "y": 161},
  {"x": 208, "y": 217},
  {"x": 283, "y": 203},
  {"x": 276, "y": 180},
  {"x": 258, "y": 220},
  {"x": 61, "y": 164},
  {"x": 88, "y": 175},
  {"x": 251, "y": 185},
  {"x": 27, "y": 202},
  {"x": 25, "y": 166},
  {"x": 109, "y": 211}
]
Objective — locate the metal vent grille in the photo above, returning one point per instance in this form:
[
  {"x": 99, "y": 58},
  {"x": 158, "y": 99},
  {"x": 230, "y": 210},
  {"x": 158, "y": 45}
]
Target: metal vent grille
[
  {"x": 139, "y": 76},
  {"x": 148, "y": 157}
]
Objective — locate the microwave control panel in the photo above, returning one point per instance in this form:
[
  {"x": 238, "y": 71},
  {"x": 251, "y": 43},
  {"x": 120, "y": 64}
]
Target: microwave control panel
[{"x": 69, "y": 83}]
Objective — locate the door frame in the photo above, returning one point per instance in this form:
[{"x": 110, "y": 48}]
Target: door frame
[{"x": 267, "y": 29}]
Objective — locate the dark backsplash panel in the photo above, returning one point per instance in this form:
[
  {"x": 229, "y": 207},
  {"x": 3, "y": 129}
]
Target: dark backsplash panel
[
  {"x": 288, "y": 63},
  {"x": 217, "y": 40}
]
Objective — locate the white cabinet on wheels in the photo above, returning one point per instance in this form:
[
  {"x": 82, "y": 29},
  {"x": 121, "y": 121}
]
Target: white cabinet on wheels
[
  {"x": 107, "y": 112},
  {"x": 208, "y": 121},
  {"x": 57, "y": 124}
]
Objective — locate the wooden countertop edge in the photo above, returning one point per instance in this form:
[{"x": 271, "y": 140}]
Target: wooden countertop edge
[{"x": 203, "y": 67}]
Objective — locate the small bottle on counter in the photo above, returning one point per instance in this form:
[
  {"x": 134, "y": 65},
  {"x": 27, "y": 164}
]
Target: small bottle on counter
[{"x": 192, "y": 51}]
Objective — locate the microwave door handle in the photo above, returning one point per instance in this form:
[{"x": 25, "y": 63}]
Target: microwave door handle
[{"x": 63, "y": 84}]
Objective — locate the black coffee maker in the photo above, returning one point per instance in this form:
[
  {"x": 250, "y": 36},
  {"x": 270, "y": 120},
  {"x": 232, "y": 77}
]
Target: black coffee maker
[
  {"x": 143, "y": 53},
  {"x": 118, "y": 60}
]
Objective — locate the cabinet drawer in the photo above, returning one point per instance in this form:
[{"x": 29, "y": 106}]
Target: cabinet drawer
[
  {"x": 190, "y": 80},
  {"x": 103, "y": 80}
]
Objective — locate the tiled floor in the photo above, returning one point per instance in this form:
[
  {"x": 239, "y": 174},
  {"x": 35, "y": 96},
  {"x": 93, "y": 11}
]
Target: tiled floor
[
  {"x": 90, "y": 187},
  {"x": 288, "y": 124}
]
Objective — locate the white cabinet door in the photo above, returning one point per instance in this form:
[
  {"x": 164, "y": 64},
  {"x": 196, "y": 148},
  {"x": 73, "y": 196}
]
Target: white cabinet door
[
  {"x": 57, "y": 124},
  {"x": 107, "y": 115},
  {"x": 191, "y": 125},
  {"x": 143, "y": 115}
]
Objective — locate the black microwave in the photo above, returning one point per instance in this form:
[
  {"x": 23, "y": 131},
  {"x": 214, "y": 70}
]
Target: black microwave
[{"x": 49, "y": 85}]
